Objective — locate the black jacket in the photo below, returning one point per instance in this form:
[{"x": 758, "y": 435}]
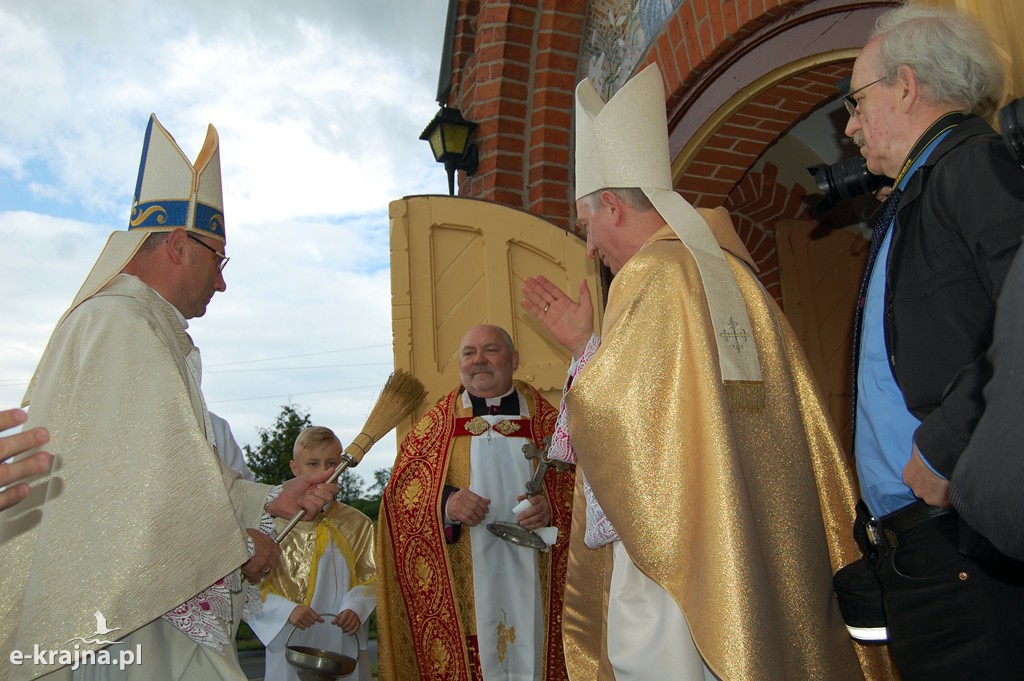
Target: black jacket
[
  {"x": 957, "y": 230},
  {"x": 989, "y": 477}
]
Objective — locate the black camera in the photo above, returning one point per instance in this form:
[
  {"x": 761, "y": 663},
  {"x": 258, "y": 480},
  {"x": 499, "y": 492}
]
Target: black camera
[
  {"x": 1011, "y": 122},
  {"x": 845, "y": 180},
  {"x": 851, "y": 177}
]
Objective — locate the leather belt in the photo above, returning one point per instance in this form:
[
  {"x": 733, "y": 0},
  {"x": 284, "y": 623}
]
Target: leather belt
[{"x": 887, "y": 529}]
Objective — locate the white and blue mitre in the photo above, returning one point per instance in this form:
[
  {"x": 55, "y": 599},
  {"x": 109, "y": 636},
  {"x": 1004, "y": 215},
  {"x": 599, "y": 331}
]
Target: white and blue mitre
[
  {"x": 624, "y": 143},
  {"x": 170, "y": 193}
]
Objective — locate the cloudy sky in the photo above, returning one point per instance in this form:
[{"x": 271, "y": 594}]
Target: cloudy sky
[{"x": 319, "y": 105}]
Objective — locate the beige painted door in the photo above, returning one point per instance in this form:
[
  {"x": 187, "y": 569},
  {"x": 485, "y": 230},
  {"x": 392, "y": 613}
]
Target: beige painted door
[
  {"x": 820, "y": 281},
  {"x": 1003, "y": 20},
  {"x": 458, "y": 262}
]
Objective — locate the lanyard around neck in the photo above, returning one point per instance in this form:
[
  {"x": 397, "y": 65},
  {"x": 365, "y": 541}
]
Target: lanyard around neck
[{"x": 944, "y": 123}]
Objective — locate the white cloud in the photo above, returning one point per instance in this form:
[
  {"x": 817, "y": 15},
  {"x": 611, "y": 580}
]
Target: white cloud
[{"x": 319, "y": 106}]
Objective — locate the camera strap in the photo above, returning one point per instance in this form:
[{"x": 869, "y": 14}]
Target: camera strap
[{"x": 942, "y": 125}]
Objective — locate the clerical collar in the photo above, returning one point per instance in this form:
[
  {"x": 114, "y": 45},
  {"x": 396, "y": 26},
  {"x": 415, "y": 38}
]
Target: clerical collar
[{"x": 506, "y": 405}]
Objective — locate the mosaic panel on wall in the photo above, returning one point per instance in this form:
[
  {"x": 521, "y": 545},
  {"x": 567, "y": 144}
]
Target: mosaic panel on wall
[{"x": 618, "y": 34}]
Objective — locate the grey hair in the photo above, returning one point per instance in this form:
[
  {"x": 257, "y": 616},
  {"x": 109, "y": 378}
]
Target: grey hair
[
  {"x": 501, "y": 332},
  {"x": 633, "y": 197},
  {"x": 505, "y": 337},
  {"x": 951, "y": 55}
]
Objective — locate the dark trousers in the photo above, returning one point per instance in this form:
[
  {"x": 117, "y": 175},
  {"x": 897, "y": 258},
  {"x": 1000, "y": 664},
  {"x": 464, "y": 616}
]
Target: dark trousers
[{"x": 950, "y": 616}]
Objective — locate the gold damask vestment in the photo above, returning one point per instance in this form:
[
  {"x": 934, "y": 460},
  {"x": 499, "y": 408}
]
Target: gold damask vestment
[
  {"x": 348, "y": 529},
  {"x": 740, "y": 508}
]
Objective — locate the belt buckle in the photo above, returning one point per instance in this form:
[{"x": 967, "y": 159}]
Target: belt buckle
[{"x": 873, "y": 532}]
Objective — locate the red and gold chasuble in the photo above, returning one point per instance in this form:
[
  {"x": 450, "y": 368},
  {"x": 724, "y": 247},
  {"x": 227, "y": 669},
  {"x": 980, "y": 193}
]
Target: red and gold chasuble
[{"x": 425, "y": 607}]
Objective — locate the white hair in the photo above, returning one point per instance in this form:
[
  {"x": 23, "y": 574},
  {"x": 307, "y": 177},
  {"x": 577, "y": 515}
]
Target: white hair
[{"x": 951, "y": 55}]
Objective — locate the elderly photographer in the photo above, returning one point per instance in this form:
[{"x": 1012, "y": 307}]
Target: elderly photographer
[{"x": 948, "y": 234}]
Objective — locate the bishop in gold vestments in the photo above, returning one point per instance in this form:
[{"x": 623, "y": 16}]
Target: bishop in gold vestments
[
  {"x": 740, "y": 515},
  {"x": 699, "y": 436}
]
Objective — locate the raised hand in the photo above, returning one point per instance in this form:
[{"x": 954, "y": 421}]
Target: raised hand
[{"x": 571, "y": 323}]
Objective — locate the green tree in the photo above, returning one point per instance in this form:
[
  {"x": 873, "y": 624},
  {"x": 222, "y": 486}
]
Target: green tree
[
  {"x": 350, "y": 487},
  {"x": 380, "y": 481},
  {"x": 369, "y": 504},
  {"x": 269, "y": 460}
]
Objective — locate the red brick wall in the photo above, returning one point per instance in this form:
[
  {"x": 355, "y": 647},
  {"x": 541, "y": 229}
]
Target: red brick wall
[
  {"x": 515, "y": 69},
  {"x": 756, "y": 203},
  {"x": 730, "y": 153},
  {"x": 702, "y": 32},
  {"x": 515, "y": 64}
]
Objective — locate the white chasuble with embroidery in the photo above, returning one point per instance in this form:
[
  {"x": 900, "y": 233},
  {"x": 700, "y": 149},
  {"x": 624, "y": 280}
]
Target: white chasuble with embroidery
[{"x": 509, "y": 624}]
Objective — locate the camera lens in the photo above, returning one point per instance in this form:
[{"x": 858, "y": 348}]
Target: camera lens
[
  {"x": 845, "y": 180},
  {"x": 1011, "y": 123}
]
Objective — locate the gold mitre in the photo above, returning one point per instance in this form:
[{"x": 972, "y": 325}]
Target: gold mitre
[
  {"x": 624, "y": 143},
  {"x": 171, "y": 192}
]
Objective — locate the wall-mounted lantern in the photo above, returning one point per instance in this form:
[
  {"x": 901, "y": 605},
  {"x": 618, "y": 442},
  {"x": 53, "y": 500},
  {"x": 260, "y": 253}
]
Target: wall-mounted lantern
[{"x": 448, "y": 135}]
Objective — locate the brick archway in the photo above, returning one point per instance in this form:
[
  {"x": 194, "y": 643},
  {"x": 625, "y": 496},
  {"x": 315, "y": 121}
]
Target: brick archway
[
  {"x": 515, "y": 65},
  {"x": 756, "y": 203},
  {"x": 727, "y": 156},
  {"x": 739, "y": 78},
  {"x": 720, "y": 173}
]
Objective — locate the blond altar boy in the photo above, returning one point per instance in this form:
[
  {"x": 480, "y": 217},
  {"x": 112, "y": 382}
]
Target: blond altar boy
[{"x": 323, "y": 592}]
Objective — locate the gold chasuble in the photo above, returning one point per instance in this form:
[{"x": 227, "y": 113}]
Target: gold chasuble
[
  {"x": 349, "y": 530},
  {"x": 741, "y": 515},
  {"x": 425, "y": 607}
]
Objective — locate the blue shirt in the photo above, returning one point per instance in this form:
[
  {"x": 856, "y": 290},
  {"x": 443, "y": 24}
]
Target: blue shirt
[{"x": 885, "y": 428}]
